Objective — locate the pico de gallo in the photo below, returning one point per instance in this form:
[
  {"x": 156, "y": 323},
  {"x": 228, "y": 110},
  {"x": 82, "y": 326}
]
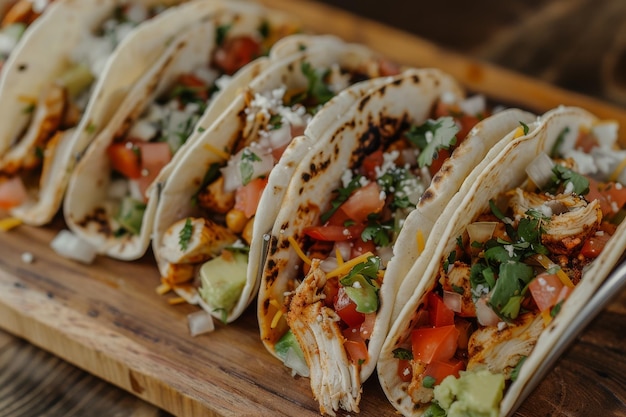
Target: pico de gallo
[
  {"x": 230, "y": 193},
  {"x": 516, "y": 264},
  {"x": 60, "y": 106}
]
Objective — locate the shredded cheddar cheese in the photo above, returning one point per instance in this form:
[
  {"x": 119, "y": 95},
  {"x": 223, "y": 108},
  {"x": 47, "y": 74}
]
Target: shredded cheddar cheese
[
  {"x": 277, "y": 317},
  {"x": 9, "y": 223},
  {"x": 347, "y": 266},
  {"x": 547, "y": 318},
  {"x": 615, "y": 174},
  {"x": 339, "y": 257},
  {"x": 298, "y": 250},
  {"x": 274, "y": 302},
  {"x": 420, "y": 241},
  {"x": 222, "y": 154},
  {"x": 547, "y": 264},
  {"x": 177, "y": 300}
]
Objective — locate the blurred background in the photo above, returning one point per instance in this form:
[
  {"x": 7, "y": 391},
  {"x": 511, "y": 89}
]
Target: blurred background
[{"x": 579, "y": 45}]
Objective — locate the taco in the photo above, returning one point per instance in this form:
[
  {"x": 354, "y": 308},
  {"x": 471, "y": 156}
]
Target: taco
[
  {"x": 62, "y": 85},
  {"x": 197, "y": 76},
  {"x": 378, "y": 159},
  {"x": 208, "y": 208},
  {"x": 525, "y": 244},
  {"x": 16, "y": 17}
]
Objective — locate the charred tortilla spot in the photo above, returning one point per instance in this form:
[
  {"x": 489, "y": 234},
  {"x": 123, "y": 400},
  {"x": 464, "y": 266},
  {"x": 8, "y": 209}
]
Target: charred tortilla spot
[
  {"x": 100, "y": 219},
  {"x": 22, "y": 67},
  {"x": 364, "y": 102},
  {"x": 428, "y": 195},
  {"x": 273, "y": 246},
  {"x": 306, "y": 177}
]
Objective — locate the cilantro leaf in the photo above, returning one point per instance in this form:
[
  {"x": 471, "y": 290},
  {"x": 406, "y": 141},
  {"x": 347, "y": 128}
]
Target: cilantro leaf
[
  {"x": 246, "y": 166},
  {"x": 221, "y": 32},
  {"x": 185, "y": 234},
  {"x": 317, "y": 88},
  {"x": 515, "y": 372},
  {"x": 378, "y": 232},
  {"x": 433, "y": 136},
  {"x": 524, "y": 127},
  {"x": 562, "y": 176},
  {"x": 401, "y": 353}
]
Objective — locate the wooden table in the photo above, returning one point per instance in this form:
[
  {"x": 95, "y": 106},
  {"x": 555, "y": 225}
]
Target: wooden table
[{"x": 579, "y": 45}]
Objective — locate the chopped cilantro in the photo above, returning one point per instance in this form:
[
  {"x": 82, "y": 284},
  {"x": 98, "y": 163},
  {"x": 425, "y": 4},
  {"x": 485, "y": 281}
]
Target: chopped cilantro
[
  {"x": 428, "y": 381},
  {"x": 29, "y": 108},
  {"x": 524, "y": 127},
  {"x": 457, "y": 289},
  {"x": 562, "y": 176},
  {"x": 556, "y": 309},
  {"x": 276, "y": 122},
  {"x": 220, "y": 33},
  {"x": 246, "y": 167},
  {"x": 185, "y": 235},
  {"x": 449, "y": 260},
  {"x": 431, "y": 137},
  {"x": 361, "y": 287},
  {"x": 264, "y": 29},
  {"x": 342, "y": 195},
  {"x": 515, "y": 372},
  {"x": 377, "y": 232},
  {"x": 39, "y": 152},
  {"x": 402, "y": 353},
  {"x": 317, "y": 88},
  {"x": 555, "y": 152},
  {"x": 90, "y": 128}
]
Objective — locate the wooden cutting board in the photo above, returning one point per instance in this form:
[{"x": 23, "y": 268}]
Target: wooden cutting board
[{"x": 107, "y": 318}]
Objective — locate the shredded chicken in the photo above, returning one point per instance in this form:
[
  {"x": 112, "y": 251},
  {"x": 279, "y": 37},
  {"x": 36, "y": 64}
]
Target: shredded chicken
[
  {"x": 215, "y": 199},
  {"x": 572, "y": 219},
  {"x": 206, "y": 240},
  {"x": 335, "y": 380},
  {"x": 501, "y": 350},
  {"x": 416, "y": 389},
  {"x": 48, "y": 114},
  {"x": 457, "y": 279}
]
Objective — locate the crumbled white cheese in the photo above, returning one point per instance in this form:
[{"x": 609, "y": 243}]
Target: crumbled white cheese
[{"x": 28, "y": 257}]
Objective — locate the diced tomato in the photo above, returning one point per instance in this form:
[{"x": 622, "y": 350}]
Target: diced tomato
[
  {"x": 467, "y": 123},
  {"x": 438, "y": 313},
  {"x": 198, "y": 85},
  {"x": 441, "y": 369},
  {"x": 465, "y": 330},
  {"x": 405, "y": 370},
  {"x": 434, "y": 343},
  {"x": 545, "y": 289},
  {"x": 363, "y": 202},
  {"x": 586, "y": 141},
  {"x": 334, "y": 233},
  {"x": 388, "y": 68},
  {"x": 371, "y": 162},
  {"x": 594, "y": 245},
  {"x": 367, "y": 327},
  {"x": 611, "y": 196},
  {"x": 125, "y": 159},
  {"x": 247, "y": 197},
  {"x": 235, "y": 53},
  {"x": 355, "y": 345},
  {"x": 346, "y": 309},
  {"x": 154, "y": 156},
  {"x": 360, "y": 247},
  {"x": 12, "y": 192}
]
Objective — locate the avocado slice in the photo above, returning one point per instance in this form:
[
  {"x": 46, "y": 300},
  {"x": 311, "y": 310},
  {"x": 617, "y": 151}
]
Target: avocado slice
[{"x": 223, "y": 279}]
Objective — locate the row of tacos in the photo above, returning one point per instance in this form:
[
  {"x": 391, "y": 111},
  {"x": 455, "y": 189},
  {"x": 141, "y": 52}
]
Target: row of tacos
[{"x": 381, "y": 219}]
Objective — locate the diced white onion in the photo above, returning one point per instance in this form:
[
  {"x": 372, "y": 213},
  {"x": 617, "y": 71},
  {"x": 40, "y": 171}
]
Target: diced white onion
[
  {"x": 384, "y": 253},
  {"x": 142, "y": 129},
  {"x": 296, "y": 363},
  {"x": 540, "y": 170},
  {"x": 481, "y": 231},
  {"x": 70, "y": 246},
  {"x": 474, "y": 105},
  {"x": 232, "y": 174},
  {"x": 200, "y": 322},
  {"x": 453, "y": 301},
  {"x": 280, "y": 137},
  {"x": 329, "y": 264},
  {"x": 135, "y": 190},
  {"x": 606, "y": 133},
  {"x": 345, "y": 248},
  {"x": 485, "y": 315}
]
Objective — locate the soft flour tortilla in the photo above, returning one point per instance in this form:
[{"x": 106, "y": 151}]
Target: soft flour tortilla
[
  {"x": 502, "y": 172},
  {"x": 175, "y": 201},
  {"x": 87, "y": 192},
  {"x": 406, "y": 98},
  {"x": 43, "y": 55}
]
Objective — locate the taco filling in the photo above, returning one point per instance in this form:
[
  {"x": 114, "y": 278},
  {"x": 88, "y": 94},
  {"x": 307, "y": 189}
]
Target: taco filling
[
  {"x": 512, "y": 269},
  {"x": 229, "y": 195},
  {"x": 332, "y": 313},
  {"x": 139, "y": 154},
  {"x": 60, "y": 106}
]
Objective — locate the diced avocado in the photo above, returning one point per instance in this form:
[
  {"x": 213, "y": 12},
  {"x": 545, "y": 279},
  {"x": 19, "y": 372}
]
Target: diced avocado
[
  {"x": 130, "y": 214},
  {"x": 475, "y": 393},
  {"x": 286, "y": 342},
  {"x": 223, "y": 279},
  {"x": 362, "y": 293},
  {"x": 76, "y": 79}
]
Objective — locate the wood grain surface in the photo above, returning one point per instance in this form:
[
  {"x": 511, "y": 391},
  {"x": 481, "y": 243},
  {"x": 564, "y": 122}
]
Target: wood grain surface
[{"x": 107, "y": 319}]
